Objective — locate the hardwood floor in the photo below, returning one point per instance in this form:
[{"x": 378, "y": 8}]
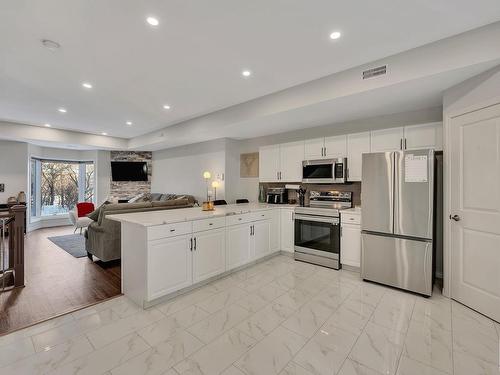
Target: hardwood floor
[{"x": 56, "y": 283}]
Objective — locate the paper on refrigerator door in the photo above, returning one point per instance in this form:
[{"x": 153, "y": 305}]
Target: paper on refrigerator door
[{"x": 416, "y": 168}]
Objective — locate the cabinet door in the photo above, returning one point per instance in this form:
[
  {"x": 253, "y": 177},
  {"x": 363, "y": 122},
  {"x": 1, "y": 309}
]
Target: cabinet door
[
  {"x": 313, "y": 149},
  {"x": 424, "y": 136},
  {"x": 261, "y": 238},
  {"x": 336, "y": 147},
  {"x": 169, "y": 266},
  {"x": 350, "y": 245},
  {"x": 237, "y": 245},
  {"x": 275, "y": 230},
  {"x": 291, "y": 157},
  {"x": 287, "y": 230},
  {"x": 357, "y": 145},
  {"x": 269, "y": 163},
  {"x": 387, "y": 140},
  {"x": 209, "y": 254}
]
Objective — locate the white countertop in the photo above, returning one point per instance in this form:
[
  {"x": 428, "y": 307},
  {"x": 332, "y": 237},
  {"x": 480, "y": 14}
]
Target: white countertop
[{"x": 151, "y": 218}]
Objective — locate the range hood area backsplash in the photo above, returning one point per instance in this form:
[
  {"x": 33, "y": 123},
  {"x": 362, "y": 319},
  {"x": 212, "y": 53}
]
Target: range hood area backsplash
[{"x": 355, "y": 187}]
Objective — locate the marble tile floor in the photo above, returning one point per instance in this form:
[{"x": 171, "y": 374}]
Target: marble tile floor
[{"x": 277, "y": 317}]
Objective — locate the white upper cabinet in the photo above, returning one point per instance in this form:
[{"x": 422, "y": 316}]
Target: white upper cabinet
[
  {"x": 336, "y": 147},
  {"x": 291, "y": 157},
  {"x": 269, "y": 163},
  {"x": 424, "y": 136},
  {"x": 357, "y": 145},
  {"x": 314, "y": 148},
  {"x": 387, "y": 140},
  {"x": 281, "y": 163}
]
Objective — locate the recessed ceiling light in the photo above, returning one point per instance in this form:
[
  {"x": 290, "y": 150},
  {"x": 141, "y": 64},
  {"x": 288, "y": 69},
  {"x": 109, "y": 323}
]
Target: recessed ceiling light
[
  {"x": 153, "y": 21},
  {"x": 50, "y": 44},
  {"x": 335, "y": 35},
  {"x": 129, "y": 122},
  {"x": 104, "y": 133},
  {"x": 246, "y": 73},
  {"x": 48, "y": 125},
  {"x": 166, "y": 106},
  {"x": 62, "y": 110},
  {"x": 87, "y": 85}
]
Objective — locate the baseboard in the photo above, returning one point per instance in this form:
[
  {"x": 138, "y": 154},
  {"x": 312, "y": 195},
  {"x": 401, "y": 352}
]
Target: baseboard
[{"x": 351, "y": 268}]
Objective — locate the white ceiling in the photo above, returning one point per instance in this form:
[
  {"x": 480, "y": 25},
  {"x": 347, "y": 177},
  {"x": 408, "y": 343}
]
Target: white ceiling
[{"x": 194, "y": 58}]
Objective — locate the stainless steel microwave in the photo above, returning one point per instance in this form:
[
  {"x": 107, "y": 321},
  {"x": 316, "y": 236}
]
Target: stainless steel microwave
[{"x": 325, "y": 171}]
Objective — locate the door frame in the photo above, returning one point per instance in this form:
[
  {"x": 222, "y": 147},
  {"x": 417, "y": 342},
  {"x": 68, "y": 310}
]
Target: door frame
[{"x": 448, "y": 116}]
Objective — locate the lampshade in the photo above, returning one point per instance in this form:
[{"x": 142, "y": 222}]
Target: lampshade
[
  {"x": 215, "y": 184},
  {"x": 206, "y": 175}
]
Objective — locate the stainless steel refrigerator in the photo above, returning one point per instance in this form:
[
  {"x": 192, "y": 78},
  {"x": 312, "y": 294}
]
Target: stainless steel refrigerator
[{"x": 397, "y": 219}]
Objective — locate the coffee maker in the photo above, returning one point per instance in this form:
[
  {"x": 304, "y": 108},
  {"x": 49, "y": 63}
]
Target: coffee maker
[{"x": 277, "y": 196}]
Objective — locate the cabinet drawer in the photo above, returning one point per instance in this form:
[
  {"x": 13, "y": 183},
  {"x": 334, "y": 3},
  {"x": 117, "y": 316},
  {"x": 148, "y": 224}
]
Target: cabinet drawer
[
  {"x": 238, "y": 219},
  {"x": 169, "y": 230},
  {"x": 262, "y": 215},
  {"x": 348, "y": 218},
  {"x": 206, "y": 224}
]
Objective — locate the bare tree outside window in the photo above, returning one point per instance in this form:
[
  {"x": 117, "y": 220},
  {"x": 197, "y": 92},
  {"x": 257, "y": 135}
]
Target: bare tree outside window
[{"x": 62, "y": 184}]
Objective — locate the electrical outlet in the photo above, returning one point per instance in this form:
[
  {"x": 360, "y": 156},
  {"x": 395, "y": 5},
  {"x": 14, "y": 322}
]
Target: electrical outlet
[{"x": 2, "y": 188}]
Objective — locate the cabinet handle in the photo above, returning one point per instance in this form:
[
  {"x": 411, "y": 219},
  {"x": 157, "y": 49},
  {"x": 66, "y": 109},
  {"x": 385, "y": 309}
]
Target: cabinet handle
[
  {"x": 293, "y": 216},
  {"x": 340, "y": 231},
  {"x": 172, "y": 230},
  {"x": 195, "y": 243},
  {"x": 405, "y": 143},
  {"x": 210, "y": 223},
  {"x": 191, "y": 247},
  {"x": 401, "y": 143}
]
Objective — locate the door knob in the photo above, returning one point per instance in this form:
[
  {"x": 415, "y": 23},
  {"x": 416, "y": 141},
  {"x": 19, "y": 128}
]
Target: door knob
[{"x": 455, "y": 217}]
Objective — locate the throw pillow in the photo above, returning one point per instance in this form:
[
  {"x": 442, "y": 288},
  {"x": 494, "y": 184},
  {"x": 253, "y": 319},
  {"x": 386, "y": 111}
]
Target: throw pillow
[{"x": 94, "y": 215}]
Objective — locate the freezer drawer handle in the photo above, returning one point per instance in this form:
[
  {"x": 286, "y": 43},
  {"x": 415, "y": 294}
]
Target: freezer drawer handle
[{"x": 455, "y": 217}]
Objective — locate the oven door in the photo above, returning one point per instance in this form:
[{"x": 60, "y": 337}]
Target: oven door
[{"x": 317, "y": 235}]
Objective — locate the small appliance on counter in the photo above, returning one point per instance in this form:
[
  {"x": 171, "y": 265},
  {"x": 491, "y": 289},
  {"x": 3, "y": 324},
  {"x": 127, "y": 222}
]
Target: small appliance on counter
[
  {"x": 317, "y": 228},
  {"x": 277, "y": 196}
]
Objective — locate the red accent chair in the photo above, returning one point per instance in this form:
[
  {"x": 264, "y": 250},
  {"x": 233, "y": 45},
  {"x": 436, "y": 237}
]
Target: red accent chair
[{"x": 78, "y": 216}]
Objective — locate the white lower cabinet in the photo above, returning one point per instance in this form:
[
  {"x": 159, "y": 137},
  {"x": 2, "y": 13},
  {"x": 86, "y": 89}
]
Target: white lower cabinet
[
  {"x": 169, "y": 265},
  {"x": 209, "y": 254},
  {"x": 350, "y": 245},
  {"x": 237, "y": 245},
  {"x": 275, "y": 231},
  {"x": 261, "y": 239},
  {"x": 287, "y": 229}
]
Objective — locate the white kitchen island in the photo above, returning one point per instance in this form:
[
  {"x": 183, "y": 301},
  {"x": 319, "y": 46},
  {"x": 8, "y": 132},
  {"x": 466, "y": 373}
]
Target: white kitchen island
[{"x": 170, "y": 251}]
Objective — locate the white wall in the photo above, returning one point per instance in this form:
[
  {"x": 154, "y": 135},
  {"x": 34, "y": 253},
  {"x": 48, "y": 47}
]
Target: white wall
[
  {"x": 13, "y": 169},
  {"x": 180, "y": 170}
]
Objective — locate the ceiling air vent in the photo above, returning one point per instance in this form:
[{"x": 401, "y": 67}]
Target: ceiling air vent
[{"x": 378, "y": 71}]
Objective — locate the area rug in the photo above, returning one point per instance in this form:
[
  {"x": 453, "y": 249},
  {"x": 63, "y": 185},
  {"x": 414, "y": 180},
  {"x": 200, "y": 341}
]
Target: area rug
[{"x": 73, "y": 244}]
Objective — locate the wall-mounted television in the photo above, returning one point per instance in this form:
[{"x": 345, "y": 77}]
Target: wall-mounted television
[{"x": 129, "y": 171}]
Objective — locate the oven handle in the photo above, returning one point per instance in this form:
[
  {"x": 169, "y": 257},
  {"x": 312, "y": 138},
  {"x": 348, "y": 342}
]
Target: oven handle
[{"x": 321, "y": 219}]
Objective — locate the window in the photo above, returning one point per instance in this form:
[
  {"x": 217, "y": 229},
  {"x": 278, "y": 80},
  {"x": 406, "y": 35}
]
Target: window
[{"x": 57, "y": 186}]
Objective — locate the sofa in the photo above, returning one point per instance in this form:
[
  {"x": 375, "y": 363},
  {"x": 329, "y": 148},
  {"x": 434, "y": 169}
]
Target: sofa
[{"x": 103, "y": 236}]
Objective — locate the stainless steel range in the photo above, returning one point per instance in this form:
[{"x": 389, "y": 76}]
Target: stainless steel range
[{"x": 317, "y": 228}]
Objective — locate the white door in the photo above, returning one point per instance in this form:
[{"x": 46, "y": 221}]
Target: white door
[
  {"x": 291, "y": 157},
  {"x": 269, "y": 163},
  {"x": 169, "y": 265},
  {"x": 475, "y": 200},
  {"x": 261, "y": 238},
  {"x": 287, "y": 230},
  {"x": 314, "y": 149},
  {"x": 357, "y": 145},
  {"x": 336, "y": 147},
  {"x": 350, "y": 245},
  {"x": 209, "y": 254},
  {"x": 387, "y": 140},
  {"x": 423, "y": 136},
  {"x": 237, "y": 245}
]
